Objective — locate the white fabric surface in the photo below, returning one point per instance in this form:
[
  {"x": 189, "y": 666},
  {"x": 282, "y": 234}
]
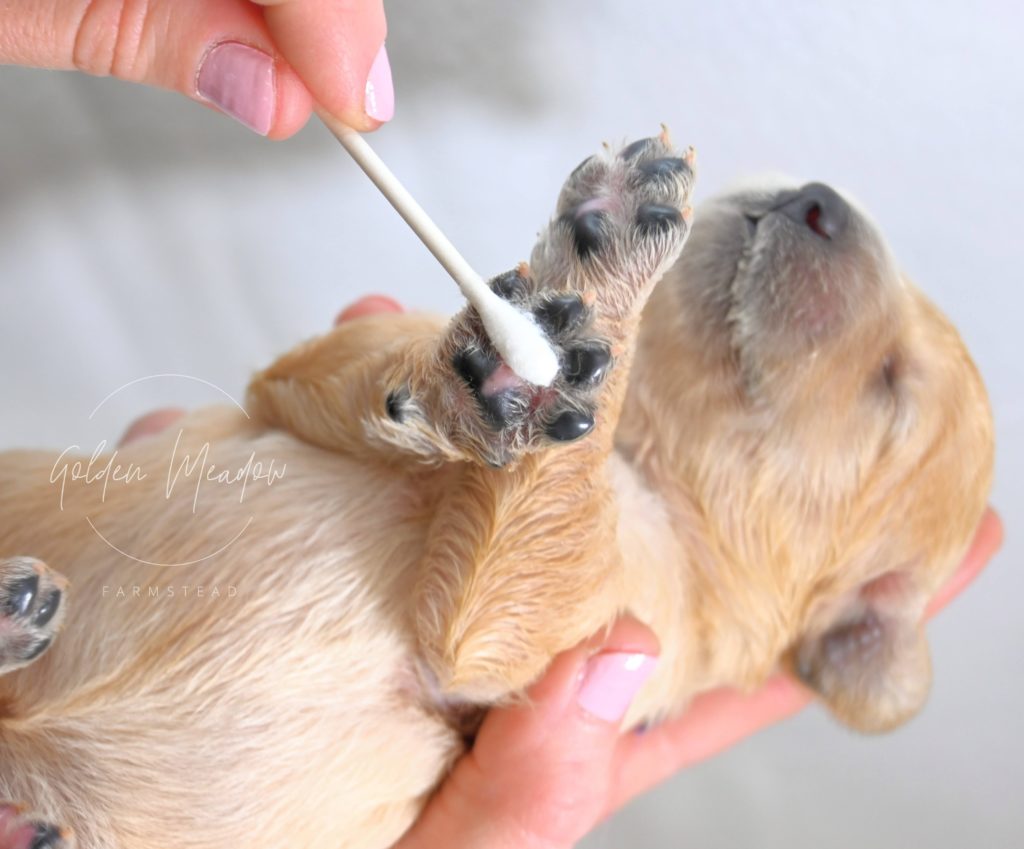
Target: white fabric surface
[{"x": 141, "y": 234}]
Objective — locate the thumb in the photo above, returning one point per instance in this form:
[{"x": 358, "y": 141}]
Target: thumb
[
  {"x": 540, "y": 772},
  {"x": 337, "y": 47},
  {"x": 218, "y": 52}
]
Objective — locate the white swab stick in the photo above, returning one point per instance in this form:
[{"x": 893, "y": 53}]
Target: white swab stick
[{"x": 516, "y": 336}]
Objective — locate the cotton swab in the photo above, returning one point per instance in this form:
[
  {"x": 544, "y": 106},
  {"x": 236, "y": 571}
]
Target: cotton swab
[{"x": 515, "y": 335}]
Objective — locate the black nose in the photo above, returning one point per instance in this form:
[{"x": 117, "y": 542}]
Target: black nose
[{"x": 819, "y": 208}]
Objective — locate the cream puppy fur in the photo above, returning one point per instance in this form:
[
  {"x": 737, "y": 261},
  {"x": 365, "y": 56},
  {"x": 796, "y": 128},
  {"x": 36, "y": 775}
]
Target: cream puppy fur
[{"x": 777, "y": 465}]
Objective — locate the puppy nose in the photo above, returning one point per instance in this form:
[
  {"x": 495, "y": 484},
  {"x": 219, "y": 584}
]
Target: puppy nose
[{"x": 819, "y": 208}]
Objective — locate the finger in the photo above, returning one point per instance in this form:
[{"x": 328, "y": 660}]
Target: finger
[
  {"x": 337, "y": 48},
  {"x": 987, "y": 541},
  {"x": 370, "y": 305},
  {"x": 714, "y": 721},
  {"x": 539, "y": 772},
  {"x": 218, "y": 52},
  {"x": 151, "y": 424}
]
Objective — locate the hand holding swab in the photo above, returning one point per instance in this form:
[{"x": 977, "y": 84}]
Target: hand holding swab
[{"x": 515, "y": 335}]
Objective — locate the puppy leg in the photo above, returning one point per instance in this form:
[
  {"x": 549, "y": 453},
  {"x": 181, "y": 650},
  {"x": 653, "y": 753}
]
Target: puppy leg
[
  {"x": 31, "y": 610},
  {"x": 347, "y": 391},
  {"x": 393, "y": 383},
  {"x": 19, "y": 830},
  {"x": 523, "y": 561}
]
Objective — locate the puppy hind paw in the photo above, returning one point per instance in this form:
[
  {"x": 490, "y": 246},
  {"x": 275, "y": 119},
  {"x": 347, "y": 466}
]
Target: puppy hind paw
[
  {"x": 19, "y": 830},
  {"x": 31, "y": 610}
]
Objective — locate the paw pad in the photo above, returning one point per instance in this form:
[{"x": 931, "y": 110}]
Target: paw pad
[
  {"x": 512, "y": 285},
  {"x": 588, "y": 230},
  {"x": 561, "y": 314},
  {"x": 657, "y": 169},
  {"x": 658, "y": 217},
  {"x": 587, "y": 364},
  {"x": 30, "y": 608},
  {"x": 570, "y": 425}
]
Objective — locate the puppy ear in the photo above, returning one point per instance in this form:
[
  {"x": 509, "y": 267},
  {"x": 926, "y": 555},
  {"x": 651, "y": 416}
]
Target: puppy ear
[{"x": 871, "y": 664}]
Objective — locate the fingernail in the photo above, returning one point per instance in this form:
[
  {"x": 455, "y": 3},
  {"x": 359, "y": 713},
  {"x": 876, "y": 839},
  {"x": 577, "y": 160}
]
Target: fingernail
[
  {"x": 379, "y": 99},
  {"x": 239, "y": 80},
  {"x": 610, "y": 682}
]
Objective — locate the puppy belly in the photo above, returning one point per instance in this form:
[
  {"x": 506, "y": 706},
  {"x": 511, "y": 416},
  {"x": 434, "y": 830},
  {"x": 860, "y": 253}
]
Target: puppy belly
[{"x": 280, "y": 711}]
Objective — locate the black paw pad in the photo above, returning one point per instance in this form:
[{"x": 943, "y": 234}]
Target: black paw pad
[
  {"x": 657, "y": 217},
  {"x": 47, "y": 610},
  {"x": 561, "y": 314},
  {"x": 21, "y": 595},
  {"x": 587, "y": 364},
  {"x": 474, "y": 366},
  {"x": 500, "y": 409},
  {"x": 395, "y": 404},
  {"x": 657, "y": 169},
  {"x": 570, "y": 425},
  {"x": 588, "y": 231},
  {"x": 632, "y": 151},
  {"x": 511, "y": 286},
  {"x": 46, "y": 837}
]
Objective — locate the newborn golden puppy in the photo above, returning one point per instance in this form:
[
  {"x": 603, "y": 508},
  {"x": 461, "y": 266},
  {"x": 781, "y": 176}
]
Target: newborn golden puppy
[{"x": 777, "y": 465}]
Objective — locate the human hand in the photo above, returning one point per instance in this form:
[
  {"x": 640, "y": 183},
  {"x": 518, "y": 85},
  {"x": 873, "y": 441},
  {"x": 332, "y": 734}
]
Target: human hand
[
  {"x": 542, "y": 774},
  {"x": 263, "y": 62}
]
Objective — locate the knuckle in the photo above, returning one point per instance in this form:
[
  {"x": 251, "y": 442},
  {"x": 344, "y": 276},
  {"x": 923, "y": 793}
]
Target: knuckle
[{"x": 108, "y": 38}]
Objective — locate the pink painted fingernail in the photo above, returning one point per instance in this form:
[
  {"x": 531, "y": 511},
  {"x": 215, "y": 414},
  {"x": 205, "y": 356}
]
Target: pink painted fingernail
[
  {"x": 239, "y": 80},
  {"x": 610, "y": 682},
  {"x": 379, "y": 99}
]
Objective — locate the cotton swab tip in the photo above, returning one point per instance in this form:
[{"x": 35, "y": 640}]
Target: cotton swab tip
[
  {"x": 515, "y": 335},
  {"x": 520, "y": 341}
]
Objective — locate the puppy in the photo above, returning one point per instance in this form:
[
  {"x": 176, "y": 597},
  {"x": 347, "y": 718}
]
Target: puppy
[{"x": 777, "y": 466}]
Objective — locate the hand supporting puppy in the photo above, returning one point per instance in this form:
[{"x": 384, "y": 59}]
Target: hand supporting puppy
[
  {"x": 541, "y": 775},
  {"x": 263, "y": 62}
]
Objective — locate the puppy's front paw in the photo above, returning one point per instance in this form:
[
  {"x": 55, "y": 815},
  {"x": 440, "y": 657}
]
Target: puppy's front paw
[
  {"x": 621, "y": 220},
  {"x": 19, "y": 830},
  {"x": 31, "y": 610}
]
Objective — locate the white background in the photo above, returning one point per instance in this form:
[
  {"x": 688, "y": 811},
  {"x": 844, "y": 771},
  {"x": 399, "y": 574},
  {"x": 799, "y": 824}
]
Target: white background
[{"x": 140, "y": 234}]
